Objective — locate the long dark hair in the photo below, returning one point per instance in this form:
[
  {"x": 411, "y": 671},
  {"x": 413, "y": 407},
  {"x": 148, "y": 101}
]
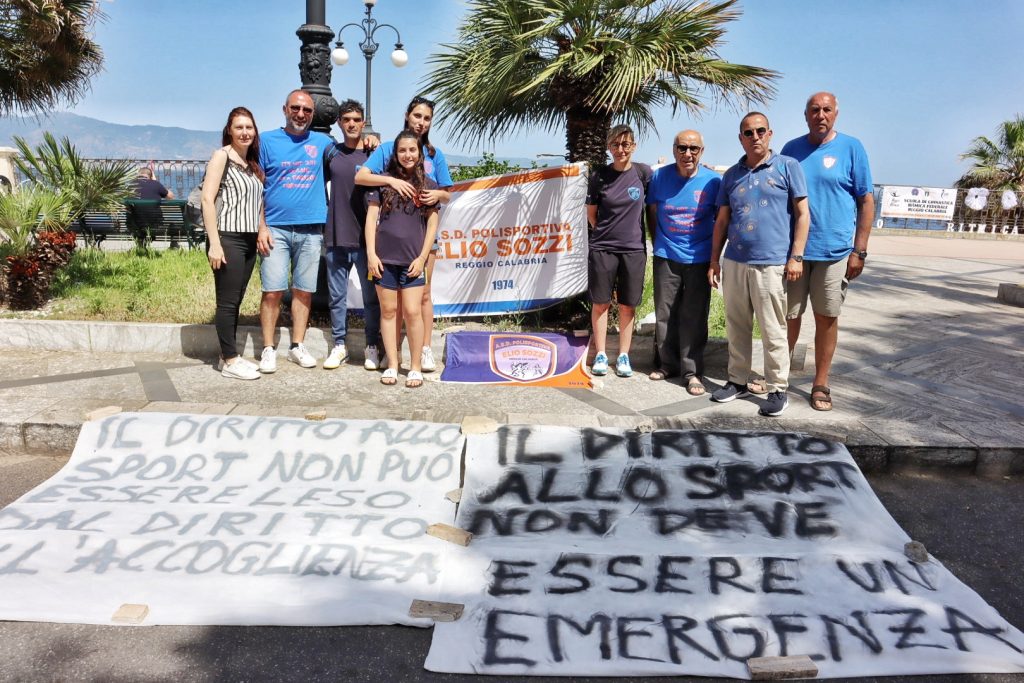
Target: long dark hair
[
  {"x": 389, "y": 199},
  {"x": 425, "y": 139},
  {"x": 252, "y": 155}
]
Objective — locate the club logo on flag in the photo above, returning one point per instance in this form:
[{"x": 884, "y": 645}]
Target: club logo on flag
[{"x": 522, "y": 357}]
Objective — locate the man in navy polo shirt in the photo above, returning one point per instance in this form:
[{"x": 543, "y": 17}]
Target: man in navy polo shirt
[
  {"x": 842, "y": 208},
  {"x": 763, "y": 211}
]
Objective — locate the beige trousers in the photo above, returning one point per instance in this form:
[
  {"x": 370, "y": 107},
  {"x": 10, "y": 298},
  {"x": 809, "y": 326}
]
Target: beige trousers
[{"x": 760, "y": 291}]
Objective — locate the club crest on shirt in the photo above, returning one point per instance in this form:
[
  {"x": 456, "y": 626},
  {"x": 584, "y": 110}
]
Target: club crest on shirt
[
  {"x": 698, "y": 196},
  {"x": 311, "y": 151},
  {"x": 634, "y": 193},
  {"x": 828, "y": 161}
]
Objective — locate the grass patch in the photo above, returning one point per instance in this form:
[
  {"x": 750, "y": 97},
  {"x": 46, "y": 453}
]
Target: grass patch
[{"x": 173, "y": 285}]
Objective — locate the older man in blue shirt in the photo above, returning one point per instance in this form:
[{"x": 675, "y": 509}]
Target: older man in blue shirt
[{"x": 763, "y": 211}]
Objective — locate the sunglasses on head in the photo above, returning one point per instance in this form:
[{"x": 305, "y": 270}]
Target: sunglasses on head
[
  {"x": 749, "y": 132},
  {"x": 422, "y": 100},
  {"x": 295, "y": 109},
  {"x": 692, "y": 149}
]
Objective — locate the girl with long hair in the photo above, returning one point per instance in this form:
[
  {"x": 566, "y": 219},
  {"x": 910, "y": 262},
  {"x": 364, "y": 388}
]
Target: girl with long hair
[
  {"x": 232, "y": 205},
  {"x": 419, "y": 116},
  {"x": 400, "y": 230}
]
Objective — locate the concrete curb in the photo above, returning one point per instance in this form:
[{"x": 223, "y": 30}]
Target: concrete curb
[{"x": 55, "y": 431}]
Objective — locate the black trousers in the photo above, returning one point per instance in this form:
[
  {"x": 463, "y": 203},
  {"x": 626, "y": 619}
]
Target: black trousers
[
  {"x": 231, "y": 281},
  {"x": 682, "y": 302}
]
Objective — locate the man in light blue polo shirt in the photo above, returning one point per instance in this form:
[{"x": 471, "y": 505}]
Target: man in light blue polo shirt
[
  {"x": 763, "y": 212},
  {"x": 842, "y": 208},
  {"x": 681, "y": 217}
]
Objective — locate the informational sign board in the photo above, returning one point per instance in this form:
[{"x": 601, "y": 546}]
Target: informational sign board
[
  {"x": 540, "y": 359},
  {"x": 516, "y": 242},
  {"x": 926, "y": 203},
  {"x": 234, "y": 520},
  {"x": 607, "y": 552}
]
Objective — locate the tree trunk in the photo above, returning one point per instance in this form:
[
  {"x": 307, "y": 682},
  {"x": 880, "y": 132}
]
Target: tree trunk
[{"x": 586, "y": 133}]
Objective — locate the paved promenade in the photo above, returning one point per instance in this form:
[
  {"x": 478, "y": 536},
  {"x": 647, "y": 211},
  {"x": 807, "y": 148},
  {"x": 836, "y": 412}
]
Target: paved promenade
[{"x": 927, "y": 373}]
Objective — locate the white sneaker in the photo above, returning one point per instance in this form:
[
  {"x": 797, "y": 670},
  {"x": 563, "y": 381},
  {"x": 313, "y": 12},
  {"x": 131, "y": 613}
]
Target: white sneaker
[
  {"x": 337, "y": 356},
  {"x": 268, "y": 360},
  {"x": 427, "y": 363},
  {"x": 240, "y": 369},
  {"x": 372, "y": 356},
  {"x": 301, "y": 357}
]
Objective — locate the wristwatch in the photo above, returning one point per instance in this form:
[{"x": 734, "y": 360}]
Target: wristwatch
[
  {"x": 863, "y": 253},
  {"x": 798, "y": 258}
]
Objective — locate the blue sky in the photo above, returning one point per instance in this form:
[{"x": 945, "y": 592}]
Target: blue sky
[{"x": 916, "y": 79}]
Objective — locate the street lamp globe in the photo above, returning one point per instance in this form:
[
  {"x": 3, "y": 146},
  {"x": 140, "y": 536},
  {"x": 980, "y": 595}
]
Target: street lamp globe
[
  {"x": 399, "y": 57},
  {"x": 339, "y": 56}
]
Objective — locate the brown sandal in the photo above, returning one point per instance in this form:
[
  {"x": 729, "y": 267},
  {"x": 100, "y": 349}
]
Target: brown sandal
[
  {"x": 821, "y": 395},
  {"x": 694, "y": 387}
]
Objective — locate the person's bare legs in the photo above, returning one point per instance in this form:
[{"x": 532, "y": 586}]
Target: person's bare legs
[
  {"x": 411, "y": 299},
  {"x": 793, "y": 332},
  {"x": 427, "y": 305},
  {"x": 626, "y": 317},
  {"x": 270, "y": 307},
  {"x": 826, "y": 336},
  {"x": 599, "y": 324},
  {"x": 301, "y": 304},
  {"x": 388, "y": 299}
]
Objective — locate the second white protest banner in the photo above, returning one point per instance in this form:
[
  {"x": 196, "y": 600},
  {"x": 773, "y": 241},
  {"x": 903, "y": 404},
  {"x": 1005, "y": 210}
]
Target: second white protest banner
[{"x": 611, "y": 552}]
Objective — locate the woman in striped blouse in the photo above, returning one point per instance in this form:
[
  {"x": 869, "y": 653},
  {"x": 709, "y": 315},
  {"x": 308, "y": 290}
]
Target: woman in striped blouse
[{"x": 232, "y": 205}]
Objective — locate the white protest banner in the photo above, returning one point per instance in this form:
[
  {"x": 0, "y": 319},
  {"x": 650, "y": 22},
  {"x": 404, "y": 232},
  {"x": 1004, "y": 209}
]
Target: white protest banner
[
  {"x": 926, "y": 203},
  {"x": 607, "y": 552},
  {"x": 516, "y": 242},
  {"x": 234, "y": 520}
]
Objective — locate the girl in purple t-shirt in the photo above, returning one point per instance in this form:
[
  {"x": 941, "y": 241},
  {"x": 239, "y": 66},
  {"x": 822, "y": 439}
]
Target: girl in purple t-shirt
[{"x": 399, "y": 234}]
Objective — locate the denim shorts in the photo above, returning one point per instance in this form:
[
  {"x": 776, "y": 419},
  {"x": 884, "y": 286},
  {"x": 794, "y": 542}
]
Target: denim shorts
[
  {"x": 397, "y": 277},
  {"x": 296, "y": 248}
]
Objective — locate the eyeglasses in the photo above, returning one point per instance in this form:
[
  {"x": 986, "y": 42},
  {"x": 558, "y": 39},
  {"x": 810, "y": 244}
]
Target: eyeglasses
[
  {"x": 692, "y": 149},
  {"x": 295, "y": 109},
  {"x": 621, "y": 145},
  {"x": 749, "y": 132}
]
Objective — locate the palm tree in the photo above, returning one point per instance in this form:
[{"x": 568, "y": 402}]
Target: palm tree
[
  {"x": 997, "y": 165},
  {"x": 47, "y": 54},
  {"x": 583, "y": 64}
]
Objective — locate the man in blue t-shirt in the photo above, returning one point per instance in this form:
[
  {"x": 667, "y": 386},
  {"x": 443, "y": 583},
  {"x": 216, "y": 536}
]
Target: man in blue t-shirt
[
  {"x": 681, "y": 217},
  {"x": 291, "y": 231},
  {"x": 842, "y": 207},
  {"x": 763, "y": 211}
]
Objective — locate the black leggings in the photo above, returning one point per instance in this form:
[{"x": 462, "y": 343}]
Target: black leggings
[{"x": 231, "y": 280}]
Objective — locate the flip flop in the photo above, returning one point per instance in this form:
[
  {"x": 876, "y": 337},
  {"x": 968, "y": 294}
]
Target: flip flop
[
  {"x": 414, "y": 380},
  {"x": 821, "y": 395},
  {"x": 658, "y": 375},
  {"x": 390, "y": 377},
  {"x": 694, "y": 387}
]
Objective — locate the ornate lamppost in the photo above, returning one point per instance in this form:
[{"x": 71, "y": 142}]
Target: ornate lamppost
[
  {"x": 369, "y": 26},
  {"x": 314, "y": 67}
]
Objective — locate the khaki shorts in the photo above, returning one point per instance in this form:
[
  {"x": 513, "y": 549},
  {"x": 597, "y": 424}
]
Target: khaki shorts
[{"x": 825, "y": 282}]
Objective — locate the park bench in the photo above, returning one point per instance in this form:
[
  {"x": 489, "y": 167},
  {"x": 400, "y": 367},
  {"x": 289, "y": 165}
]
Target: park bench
[{"x": 143, "y": 220}]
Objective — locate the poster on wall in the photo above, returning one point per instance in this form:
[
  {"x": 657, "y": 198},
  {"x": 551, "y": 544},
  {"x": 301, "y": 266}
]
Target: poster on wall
[
  {"x": 234, "y": 520},
  {"x": 924, "y": 203},
  {"x": 613, "y": 552},
  {"x": 516, "y": 242}
]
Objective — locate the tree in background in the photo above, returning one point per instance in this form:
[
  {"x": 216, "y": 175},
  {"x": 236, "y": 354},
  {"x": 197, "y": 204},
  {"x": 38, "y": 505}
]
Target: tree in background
[
  {"x": 584, "y": 64},
  {"x": 999, "y": 164},
  {"x": 47, "y": 54}
]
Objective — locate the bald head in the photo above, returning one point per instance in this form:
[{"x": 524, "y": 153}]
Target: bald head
[
  {"x": 820, "y": 113},
  {"x": 687, "y": 151}
]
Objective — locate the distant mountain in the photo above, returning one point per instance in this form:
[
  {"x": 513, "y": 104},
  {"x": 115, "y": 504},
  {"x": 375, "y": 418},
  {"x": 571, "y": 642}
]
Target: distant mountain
[
  {"x": 95, "y": 138},
  {"x": 99, "y": 139}
]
